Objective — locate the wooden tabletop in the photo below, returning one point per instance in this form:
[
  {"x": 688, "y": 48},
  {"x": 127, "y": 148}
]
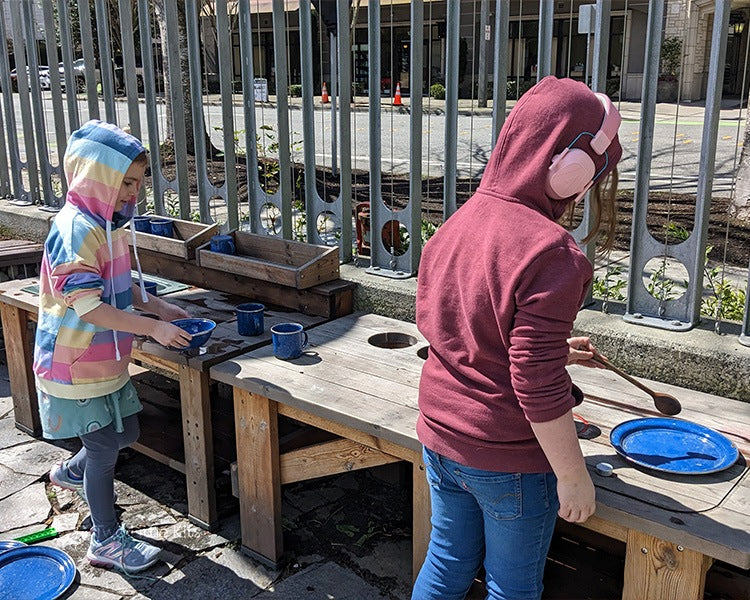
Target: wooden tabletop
[
  {"x": 198, "y": 302},
  {"x": 709, "y": 512},
  {"x": 344, "y": 378}
]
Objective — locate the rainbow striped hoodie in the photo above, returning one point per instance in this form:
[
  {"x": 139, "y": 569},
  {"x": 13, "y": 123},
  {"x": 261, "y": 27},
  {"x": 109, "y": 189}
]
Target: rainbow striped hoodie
[{"x": 86, "y": 262}]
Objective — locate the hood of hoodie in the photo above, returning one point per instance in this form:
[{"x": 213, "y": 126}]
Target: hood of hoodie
[
  {"x": 544, "y": 122},
  {"x": 96, "y": 159}
]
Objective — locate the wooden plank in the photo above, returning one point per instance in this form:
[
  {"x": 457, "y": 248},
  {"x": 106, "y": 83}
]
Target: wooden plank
[
  {"x": 309, "y": 301},
  {"x": 19, "y": 357},
  {"x": 188, "y": 235},
  {"x": 421, "y": 513},
  {"x": 255, "y": 268},
  {"x": 658, "y": 569},
  {"x": 152, "y": 360},
  {"x": 599, "y": 525},
  {"x": 369, "y": 440},
  {"x": 199, "y": 452},
  {"x": 329, "y": 458},
  {"x": 285, "y": 262},
  {"x": 258, "y": 475},
  {"x": 299, "y": 387}
]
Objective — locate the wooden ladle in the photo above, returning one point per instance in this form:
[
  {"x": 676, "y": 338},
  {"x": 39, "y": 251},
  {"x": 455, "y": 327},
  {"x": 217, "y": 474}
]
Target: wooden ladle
[{"x": 664, "y": 403}]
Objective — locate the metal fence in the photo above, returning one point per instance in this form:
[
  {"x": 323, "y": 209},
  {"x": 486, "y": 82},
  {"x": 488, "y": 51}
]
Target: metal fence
[{"x": 191, "y": 78}]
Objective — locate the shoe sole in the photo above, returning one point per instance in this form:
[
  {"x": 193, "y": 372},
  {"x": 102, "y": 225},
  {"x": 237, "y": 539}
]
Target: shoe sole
[{"x": 95, "y": 562}]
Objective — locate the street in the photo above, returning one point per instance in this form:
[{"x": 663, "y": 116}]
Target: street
[{"x": 674, "y": 160}]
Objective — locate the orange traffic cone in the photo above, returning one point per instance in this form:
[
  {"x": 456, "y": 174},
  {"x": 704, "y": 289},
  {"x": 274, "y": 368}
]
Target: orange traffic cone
[
  {"x": 324, "y": 94},
  {"x": 397, "y": 97}
]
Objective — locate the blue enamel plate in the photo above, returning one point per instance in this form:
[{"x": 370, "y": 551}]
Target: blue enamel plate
[
  {"x": 35, "y": 573},
  {"x": 9, "y": 545},
  {"x": 673, "y": 446}
]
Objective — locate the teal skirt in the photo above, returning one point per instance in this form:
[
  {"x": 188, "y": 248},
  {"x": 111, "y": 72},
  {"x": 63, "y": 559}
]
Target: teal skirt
[{"x": 65, "y": 418}]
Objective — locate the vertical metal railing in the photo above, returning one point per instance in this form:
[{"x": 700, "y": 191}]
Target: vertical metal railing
[{"x": 36, "y": 122}]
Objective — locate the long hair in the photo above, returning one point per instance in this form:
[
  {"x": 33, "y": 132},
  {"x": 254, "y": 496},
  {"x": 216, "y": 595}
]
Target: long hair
[{"x": 603, "y": 199}]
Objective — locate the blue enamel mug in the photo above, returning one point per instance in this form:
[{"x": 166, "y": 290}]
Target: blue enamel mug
[
  {"x": 223, "y": 244},
  {"x": 289, "y": 339},
  {"x": 142, "y": 223},
  {"x": 250, "y": 318},
  {"x": 162, "y": 227}
]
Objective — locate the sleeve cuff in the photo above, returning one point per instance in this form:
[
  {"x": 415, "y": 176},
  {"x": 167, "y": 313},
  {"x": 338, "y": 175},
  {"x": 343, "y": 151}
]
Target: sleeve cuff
[{"x": 86, "y": 304}]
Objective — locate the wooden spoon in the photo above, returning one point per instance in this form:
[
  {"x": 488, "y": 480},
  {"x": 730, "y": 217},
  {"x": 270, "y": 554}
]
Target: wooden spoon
[{"x": 664, "y": 403}]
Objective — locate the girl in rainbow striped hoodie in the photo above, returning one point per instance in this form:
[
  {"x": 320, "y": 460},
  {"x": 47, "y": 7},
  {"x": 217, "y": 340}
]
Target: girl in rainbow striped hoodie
[{"x": 86, "y": 326}]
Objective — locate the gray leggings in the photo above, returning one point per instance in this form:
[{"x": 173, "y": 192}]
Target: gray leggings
[{"x": 96, "y": 462}]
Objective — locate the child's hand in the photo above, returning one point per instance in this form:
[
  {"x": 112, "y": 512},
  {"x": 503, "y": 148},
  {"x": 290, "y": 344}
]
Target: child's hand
[
  {"x": 170, "y": 312},
  {"x": 170, "y": 335},
  {"x": 580, "y": 352}
]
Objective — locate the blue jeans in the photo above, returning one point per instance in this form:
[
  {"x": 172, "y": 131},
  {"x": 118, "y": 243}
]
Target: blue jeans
[{"x": 504, "y": 520}]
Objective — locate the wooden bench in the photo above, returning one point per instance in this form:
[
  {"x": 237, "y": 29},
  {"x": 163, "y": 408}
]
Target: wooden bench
[{"x": 674, "y": 527}]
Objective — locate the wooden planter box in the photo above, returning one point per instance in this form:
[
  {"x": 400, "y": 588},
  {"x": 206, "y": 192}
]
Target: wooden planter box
[
  {"x": 188, "y": 235},
  {"x": 266, "y": 258}
]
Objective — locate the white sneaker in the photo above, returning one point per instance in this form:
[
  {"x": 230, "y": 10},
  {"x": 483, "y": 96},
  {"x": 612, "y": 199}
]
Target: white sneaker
[{"x": 123, "y": 551}]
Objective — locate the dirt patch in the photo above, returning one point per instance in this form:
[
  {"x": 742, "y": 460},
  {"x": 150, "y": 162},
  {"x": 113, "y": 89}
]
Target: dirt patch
[{"x": 728, "y": 237}]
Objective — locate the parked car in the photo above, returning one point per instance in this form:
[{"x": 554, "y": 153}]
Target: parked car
[
  {"x": 79, "y": 74},
  {"x": 42, "y": 73}
]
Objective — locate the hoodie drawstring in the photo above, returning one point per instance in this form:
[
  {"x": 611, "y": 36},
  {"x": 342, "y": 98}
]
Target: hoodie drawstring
[
  {"x": 144, "y": 295},
  {"x": 112, "y": 299}
]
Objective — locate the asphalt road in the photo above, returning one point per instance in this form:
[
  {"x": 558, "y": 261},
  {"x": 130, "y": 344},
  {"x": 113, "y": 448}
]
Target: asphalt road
[{"x": 673, "y": 162}]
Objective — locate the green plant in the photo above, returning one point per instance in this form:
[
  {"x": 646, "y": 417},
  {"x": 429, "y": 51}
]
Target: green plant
[
  {"x": 295, "y": 90},
  {"x": 671, "y": 51},
  {"x": 428, "y": 230},
  {"x": 437, "y": 91},
  {"x": 611, "y": 286},
  {"x": 660, "y": 286}
]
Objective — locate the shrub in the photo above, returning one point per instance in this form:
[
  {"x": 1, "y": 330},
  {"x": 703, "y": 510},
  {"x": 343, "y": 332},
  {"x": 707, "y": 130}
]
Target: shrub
[
  {"x": 437, "y": 91},
  {"x": 671, "y": 50},
  {"x": 295, "y": 90}
]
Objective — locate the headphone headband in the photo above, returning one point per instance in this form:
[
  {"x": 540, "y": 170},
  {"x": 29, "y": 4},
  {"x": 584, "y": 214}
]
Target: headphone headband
[{"x": 610, "y": 125}]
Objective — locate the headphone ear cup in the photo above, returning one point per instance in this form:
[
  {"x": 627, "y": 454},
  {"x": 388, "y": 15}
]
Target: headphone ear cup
[{"x": 569, "y": 173}]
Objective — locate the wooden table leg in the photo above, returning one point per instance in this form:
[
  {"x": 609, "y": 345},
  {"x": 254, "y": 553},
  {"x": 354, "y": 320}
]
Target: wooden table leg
[
  {"x": 421, "y": 513},
  {"x": 658, "y": 569},
  {"x": 258, "y": 476},
  {"x": 18, "y": 351},
  {"x": 199, "y": 446}
]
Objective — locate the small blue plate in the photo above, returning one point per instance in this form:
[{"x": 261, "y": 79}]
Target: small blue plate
[
  {"x": 9, "y": 545},
  {"x": 35, "y": 573},
  {"x": 673, "y": 446}
]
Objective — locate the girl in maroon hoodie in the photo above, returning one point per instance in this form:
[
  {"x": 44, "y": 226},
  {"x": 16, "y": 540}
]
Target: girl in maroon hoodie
[{"x": 499, "y": 287}]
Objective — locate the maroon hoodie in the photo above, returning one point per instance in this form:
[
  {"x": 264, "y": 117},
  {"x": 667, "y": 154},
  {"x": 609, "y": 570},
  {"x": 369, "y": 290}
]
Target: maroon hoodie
[{"x": 499, "y": 287}]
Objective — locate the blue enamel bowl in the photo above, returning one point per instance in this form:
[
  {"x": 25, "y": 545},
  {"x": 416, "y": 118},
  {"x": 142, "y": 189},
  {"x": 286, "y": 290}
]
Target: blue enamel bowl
[{"x": 200, "y": 329}]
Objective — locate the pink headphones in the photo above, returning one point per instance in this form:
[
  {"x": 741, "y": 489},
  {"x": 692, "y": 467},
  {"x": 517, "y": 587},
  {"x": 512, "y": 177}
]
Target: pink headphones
[{"x": 572, "y": 172}]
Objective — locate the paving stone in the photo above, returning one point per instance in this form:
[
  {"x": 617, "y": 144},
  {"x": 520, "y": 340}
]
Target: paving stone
[
  {"x": 34, "y": 458},
  {"x": 84, "y": 592},
  {"x": 322, "y": 582},
  {"x": 388, "y": 560},
  {"x": 10, "y": 435},
  {"x": 12, "y": 534},
  {"x": 11, "y": 482},
  {"x": 184, "y": 535},
  {"x": 6, "y": 400},
  {"x": 222, "y": 573},
  {"x": 143, "y": 516},
  {"x": 66, "y": 522},
  {"x": 76, "y": 545},
  {"x": 24, "y": 508}
]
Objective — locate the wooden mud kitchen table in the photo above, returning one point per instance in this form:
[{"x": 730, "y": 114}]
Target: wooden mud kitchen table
[
  {"x": 359, "y": 380},
  {"x": 196, "y": 456}
]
